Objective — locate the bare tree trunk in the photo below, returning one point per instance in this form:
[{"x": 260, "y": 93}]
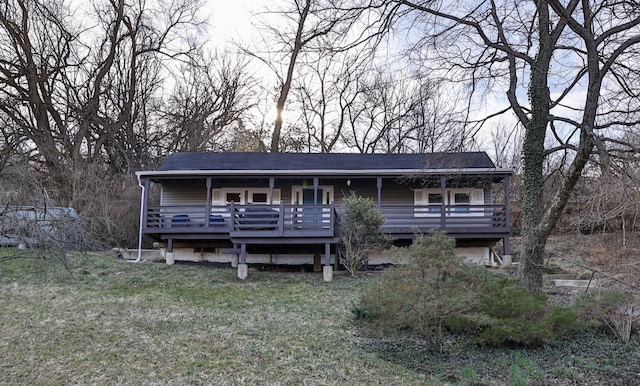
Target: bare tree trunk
[{"x": 286, "y": 86}]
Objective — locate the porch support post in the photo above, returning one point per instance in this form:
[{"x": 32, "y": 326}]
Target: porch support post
[
  {"x": 443, "y": 192},
  {"x": 507, "y": 215},
  {"x": 315, "y": 190},
  {"x": 243, "y": 269},
  {"x": 327, "y": 269},
  {"x": 235, "y": 257},
  {"x": 379, "y": 185},
  {"x": 316, "y": 212},
  {"x": 145, "y": 194},
  {"x": 243, "y": 253},
  {"x": 169, "y": 259},
  {"x": 272, "y": 184},
  {"x": 207, "y": 215}
]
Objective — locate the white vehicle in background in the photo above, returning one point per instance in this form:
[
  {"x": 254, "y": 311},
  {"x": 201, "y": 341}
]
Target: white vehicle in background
[{"x": 30, "y": 226}]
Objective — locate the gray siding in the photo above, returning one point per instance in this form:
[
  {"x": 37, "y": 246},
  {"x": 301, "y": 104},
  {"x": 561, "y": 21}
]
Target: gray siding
[{"x": 183, "y": 194}]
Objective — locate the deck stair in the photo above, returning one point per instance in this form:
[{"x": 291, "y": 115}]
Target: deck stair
[{"x": 572, "y": 282}]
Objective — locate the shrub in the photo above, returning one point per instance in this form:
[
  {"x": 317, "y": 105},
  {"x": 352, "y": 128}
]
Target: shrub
[
  {"x": 359, "y": 231},
  {"x": 437, "y": 292},
  {"x": 612, "y": 309},
  {"x": 519, "y": 318},
  {"x": 434, "y": 287}
]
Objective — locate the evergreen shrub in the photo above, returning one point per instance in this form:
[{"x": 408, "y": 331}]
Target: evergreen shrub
[{"x": 435, "y": 292}]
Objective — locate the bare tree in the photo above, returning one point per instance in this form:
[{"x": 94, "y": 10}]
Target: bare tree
[
  {"x": 506, "y": 146},
  {"x": 327, "y": 89},
  {"x": 86, "y": 94},
  {"x": 307, "y": 26},
  {"x": 399, "y": 112},
  {"x": 566, "y": 71},
  {"x": 209, "y": 103}
]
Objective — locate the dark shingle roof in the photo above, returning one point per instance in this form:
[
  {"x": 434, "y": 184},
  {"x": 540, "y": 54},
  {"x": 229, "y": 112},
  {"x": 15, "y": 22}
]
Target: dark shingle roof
[{"x": 324, "y": 161}]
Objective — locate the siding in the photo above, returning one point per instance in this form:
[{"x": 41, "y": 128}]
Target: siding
[
  {"x": 183, "y": 194},
  {"x": 194, "y": 193}
]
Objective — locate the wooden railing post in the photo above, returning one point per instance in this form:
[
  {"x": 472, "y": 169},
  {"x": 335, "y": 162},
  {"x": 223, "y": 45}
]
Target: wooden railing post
[
  {"x": 333, "y": 217},
  {"x": 281, "y": 218},
  {"x": 443, "y": 192},
  {"x": 207, "y": 216},
  {"x": 233, "y": 216}
]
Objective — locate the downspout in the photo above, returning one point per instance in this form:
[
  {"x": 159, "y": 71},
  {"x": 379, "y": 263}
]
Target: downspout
[{"x": 141, "y": 219}]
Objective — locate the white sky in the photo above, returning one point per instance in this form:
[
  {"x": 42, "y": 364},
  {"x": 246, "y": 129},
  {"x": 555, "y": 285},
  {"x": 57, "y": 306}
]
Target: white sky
[{"x": 230, "y": 20}]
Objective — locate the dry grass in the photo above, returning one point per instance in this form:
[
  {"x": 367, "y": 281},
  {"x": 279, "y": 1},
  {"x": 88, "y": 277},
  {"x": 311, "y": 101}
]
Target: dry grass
[
  {"x": 118, "y": 322},
  {"x": 609, "y": 254},
  {"x": 123, "y": 323}
]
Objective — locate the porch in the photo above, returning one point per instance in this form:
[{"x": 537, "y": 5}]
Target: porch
[{"x": 307, "y": 223}]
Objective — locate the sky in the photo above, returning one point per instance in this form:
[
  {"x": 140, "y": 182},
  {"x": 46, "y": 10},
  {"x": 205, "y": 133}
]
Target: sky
[{"x": 230, "y": 20}]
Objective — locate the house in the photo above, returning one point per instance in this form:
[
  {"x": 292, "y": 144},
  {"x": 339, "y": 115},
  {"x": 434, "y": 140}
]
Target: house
[{"x": 282, "y": 208}]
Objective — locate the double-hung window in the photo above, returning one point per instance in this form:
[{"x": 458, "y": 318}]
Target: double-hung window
[{"x": 459, "y": 201}]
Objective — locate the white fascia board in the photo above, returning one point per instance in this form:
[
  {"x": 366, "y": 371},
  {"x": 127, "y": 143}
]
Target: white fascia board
[{"x": 319, "y": 172}]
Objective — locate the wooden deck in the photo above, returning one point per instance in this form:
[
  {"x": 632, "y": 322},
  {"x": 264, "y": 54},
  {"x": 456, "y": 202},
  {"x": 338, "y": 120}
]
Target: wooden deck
[{"x": 268, "y": 224}]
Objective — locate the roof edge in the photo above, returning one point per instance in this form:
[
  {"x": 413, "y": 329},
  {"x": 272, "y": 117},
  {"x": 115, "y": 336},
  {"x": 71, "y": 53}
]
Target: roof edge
[{"x": 322, "y": 172}]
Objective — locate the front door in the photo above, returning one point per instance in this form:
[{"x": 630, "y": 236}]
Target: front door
[
  {"x": 307, "y": 213},
  {"x": 311, "y": 213}
]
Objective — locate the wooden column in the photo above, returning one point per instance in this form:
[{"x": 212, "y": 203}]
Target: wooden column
[
  {"x": 272, "y": 184},
  {"x": 379, "y": 185},
  {"x": 443, "y": 192},
  {"x": 207, "y": 215},
  {"x": 243, "y": 253},
  {"x": 506, "y": 247},
  {"x": 145, "y": 205},
  {"x": 315, "y": 190}
]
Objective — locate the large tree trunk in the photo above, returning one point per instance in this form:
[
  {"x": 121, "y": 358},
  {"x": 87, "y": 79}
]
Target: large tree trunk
[{"x": 533, "y": 152}]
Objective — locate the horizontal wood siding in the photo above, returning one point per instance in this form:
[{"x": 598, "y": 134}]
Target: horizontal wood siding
[{"x": 183, "y": 194}]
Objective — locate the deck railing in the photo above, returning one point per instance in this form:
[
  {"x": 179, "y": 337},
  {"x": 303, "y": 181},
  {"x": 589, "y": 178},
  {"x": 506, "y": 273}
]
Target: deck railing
[
  {"x": 241, "y": 218},
  {"x": 305, "y": 219},
  {"x": 399, "y": 218}
]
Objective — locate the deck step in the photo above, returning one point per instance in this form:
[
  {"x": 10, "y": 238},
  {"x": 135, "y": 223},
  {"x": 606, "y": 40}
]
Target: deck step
[{"x": 575, "y": 283}]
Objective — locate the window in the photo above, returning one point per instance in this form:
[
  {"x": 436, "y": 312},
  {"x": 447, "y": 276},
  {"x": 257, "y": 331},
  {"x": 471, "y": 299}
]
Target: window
[
  {"x": 458, "y": 201},
  {"x": 224, "y": 196},
  {"x": 435, "y": 202},
  {"x": 259, "y": 198},
  {"x": 234, "y": 197},
  {"x": 461, "y": 201},
  {"x": 428, "y": 202}
]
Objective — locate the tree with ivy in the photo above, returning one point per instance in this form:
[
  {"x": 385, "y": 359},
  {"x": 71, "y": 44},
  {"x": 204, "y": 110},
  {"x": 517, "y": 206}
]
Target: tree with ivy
[{"x": 566, "y": 70}]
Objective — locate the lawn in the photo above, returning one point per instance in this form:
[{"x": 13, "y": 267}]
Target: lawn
[
  {"x": 148, "y": 323},
  {"x": 116, "y": 322}
]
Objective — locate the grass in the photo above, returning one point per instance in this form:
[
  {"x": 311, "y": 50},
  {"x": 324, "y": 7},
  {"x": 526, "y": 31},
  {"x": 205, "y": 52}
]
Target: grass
[
  {"x": 148, "y": 323},
  {"x": 117, "y": 322}
]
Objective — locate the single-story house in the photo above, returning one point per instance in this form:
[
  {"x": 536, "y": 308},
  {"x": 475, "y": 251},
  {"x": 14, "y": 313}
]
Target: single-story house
[{"x": 282, "y": 208}]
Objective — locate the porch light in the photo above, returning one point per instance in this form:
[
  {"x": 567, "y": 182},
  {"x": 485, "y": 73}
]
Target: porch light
[{"x": 348, "y": 182}]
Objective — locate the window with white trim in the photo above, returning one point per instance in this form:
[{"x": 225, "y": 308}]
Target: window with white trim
[
  {"x": 429, "y": 202},
  {"x": 224, "y": 196},
  {"x": 460, "y": 201}
]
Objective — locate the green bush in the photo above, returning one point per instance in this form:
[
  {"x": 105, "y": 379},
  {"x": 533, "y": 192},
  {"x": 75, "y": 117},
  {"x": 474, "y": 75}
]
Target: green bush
[
  {"x": 359, "y": 228},
  {"x": 432, "y": 288},
  {"x": 436, "y": 292},
  {"x": 518, "y": 318}
]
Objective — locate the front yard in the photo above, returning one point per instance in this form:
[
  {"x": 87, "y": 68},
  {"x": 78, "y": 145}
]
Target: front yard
[{"x": 117, "y": 322}]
